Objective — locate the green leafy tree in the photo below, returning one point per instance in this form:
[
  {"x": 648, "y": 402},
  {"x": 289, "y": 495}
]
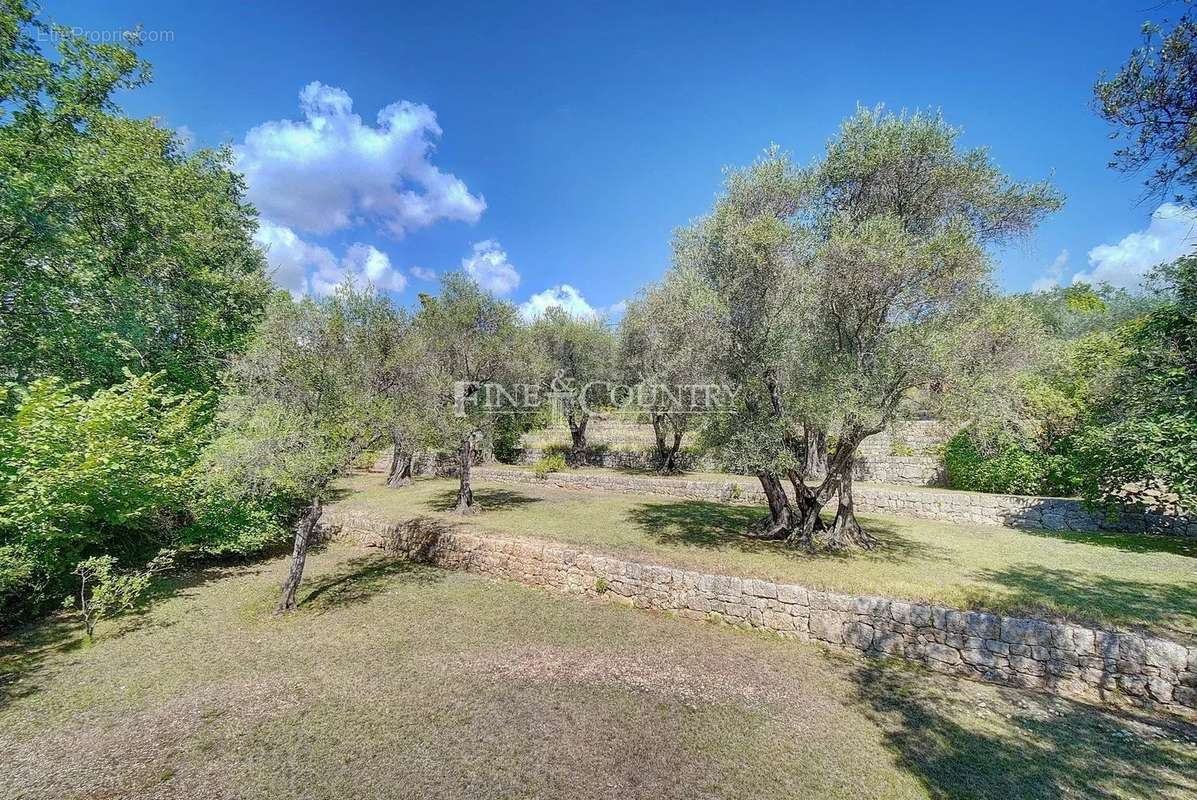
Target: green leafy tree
[
  {"x": 1140, "y": 444},
  {"x": 300, "y": 409},
  {"x": 470, "y": 338},
  {"x": 851, "y": 284},
  {"x": 85, "y": 476},
  {"x": 106, "y": 591},
  {"x": 667, "y": 341},
  {"x": 118, "y": 249},
  {"x": 576, "y": 352},
  {"x": 1152, "y": 105}
]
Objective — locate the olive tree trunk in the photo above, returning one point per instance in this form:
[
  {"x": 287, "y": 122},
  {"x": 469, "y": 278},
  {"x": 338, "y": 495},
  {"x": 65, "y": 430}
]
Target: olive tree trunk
[
  {"x": 781, "y": 519},
  {"x": 299, "y": 555},
  {"x": 465, "y": 491},
  {"x": 401, "y": 466},
  {"x": 666, "y": 452},
  {"x": 846, "y": 531},
  {"x": 577, "y": 437}
]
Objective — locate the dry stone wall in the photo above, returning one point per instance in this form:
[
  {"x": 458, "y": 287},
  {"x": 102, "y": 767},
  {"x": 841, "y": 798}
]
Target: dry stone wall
[
  {"x": 1071, "y": 660},
  {"x": 906, "y": 470},
  {"x": 966, "y": 508}
]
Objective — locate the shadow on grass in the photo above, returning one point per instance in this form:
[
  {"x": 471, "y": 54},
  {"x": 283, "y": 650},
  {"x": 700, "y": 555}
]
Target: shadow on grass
[
  {"x": 1163, "y": 608},
  {"x": 1126, "y": 542},
  {"x": 359, "y": 579},
  {"x": 1026, "y": 746},
  {"x": 24, "y": 652},
  {"x": 489, "y": 499},
  {"x": 700, "y": 523}
]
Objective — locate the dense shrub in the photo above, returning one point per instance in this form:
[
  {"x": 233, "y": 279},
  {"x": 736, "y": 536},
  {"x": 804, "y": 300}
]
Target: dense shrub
[
  {"x": 106, "y": 474},
  {"x": 1007, "y": 465},
  {"x": 548, "y": 464}
]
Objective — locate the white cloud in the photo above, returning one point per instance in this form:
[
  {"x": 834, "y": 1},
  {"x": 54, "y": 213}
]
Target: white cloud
[
  {"x": 488, "y": 265},
  {"x": 305, "y": 268},
  {"x": 331, "y": 171},
  {"x": 186, "y": 138},
  {"x": 1053, "y": 274},
  {"x": 1170, "y": 235},
  {"x": 423, "y": 273},
  {"x": 563, "y": 296},
  {"x": 615, "y": 310}
]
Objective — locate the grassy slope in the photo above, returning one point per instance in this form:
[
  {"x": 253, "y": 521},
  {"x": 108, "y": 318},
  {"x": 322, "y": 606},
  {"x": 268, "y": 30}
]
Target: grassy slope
[
  {"x": 1125, "y": 580},
  {"x": 402, "y": 681}
]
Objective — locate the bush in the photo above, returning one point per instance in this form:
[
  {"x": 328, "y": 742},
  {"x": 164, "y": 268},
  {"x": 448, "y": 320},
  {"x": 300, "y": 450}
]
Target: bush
[
  {"x": 1007, "y": 466},
  {"x": 553, "y": 463},
  {"x": 82, "y": 477},
  {"x": 104, "y": 591}
]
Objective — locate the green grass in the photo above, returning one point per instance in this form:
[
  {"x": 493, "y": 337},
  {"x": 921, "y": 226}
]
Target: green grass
[
  {"x": 1139, "y": 582},
  {"x": 394, "y": 680}
]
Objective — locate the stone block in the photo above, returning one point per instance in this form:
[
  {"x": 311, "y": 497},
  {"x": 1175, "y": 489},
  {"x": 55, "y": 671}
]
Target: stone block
[
  {"x": 870, "y": 606},
  {"x": 943, "y": 654},
  {"x": 789, "y": 593},
  {"x": 858, "y": 635},
  {"x": 1160, "y": 689},
  {"x": 983, "y": 658},
  {"x": 1026, "y": 631},
  {"x": 1027, "y": 666},
  {"x": 827, "y": 626},
  {"x": 1165, "y": 654}
]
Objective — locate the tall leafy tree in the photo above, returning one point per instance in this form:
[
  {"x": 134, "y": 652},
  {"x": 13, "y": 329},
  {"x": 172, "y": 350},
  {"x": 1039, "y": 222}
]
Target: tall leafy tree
[
  {"x": 303, "y": 402},
  {"x": 577, "y": 352},
  {"x": 118, "y": 248},
  {"x": 470, "y": 339},
  {"x": 872, "y": 277},
  {"x": 1140, "y": 444},
  {"x": 1152, "y": 104},
  {"x": 667, "y": 342}
]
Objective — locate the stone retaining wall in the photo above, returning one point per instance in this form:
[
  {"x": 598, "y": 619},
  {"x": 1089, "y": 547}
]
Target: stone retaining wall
[
  {"x": 907, "y": 470},
  {"x": 1029, "y": 513},
  {"x": 1070, "y": 660}
]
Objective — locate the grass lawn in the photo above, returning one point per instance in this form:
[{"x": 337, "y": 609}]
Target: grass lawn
[
  {"x": 1139, "y": 582},
  {"x": 395, "y": 680}
]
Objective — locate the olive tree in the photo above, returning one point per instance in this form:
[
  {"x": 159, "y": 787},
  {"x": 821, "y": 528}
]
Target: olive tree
[
  {"x": 470, "y": 339},
  {"x": 873, "y": 275},
  {"x": 666, "y": 345},
  {"x": 303, "y": 403},
  {"x": 575, "y": 351}
]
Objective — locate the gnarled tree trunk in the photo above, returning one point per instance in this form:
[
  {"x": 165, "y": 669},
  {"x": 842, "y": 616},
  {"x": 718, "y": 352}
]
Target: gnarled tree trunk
[
  {"x": 666, "y": 452},
  {"x": 465, "y": 491},
  {"x": 299, "y": 555},
  {"x": 815, "y": 456},
  {"x": 577, "y": 436},
  {"x": 401, "y": 463},
  {"x": 781, "y": 517},
  {"x": 845, "y": 530}
]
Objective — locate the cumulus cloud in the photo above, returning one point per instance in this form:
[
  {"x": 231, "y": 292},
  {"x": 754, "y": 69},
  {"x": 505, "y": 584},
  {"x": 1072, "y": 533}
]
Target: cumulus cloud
[
  {"x": 488, "y": 265},
  {"x": 1171, "y": 233},
  {"x": 305, "y": 268},
  {"x": 330, "y": 171},
  {"x": 423, "y": 273},
  {"x": 570, "y": 299},
  {"x": 563, "y": 296},
  {"x": 1053, "y": 274}
]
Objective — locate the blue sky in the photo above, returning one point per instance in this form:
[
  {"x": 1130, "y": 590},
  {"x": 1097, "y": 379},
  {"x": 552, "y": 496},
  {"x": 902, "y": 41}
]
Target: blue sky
[{"x": 562, "y": 143}]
